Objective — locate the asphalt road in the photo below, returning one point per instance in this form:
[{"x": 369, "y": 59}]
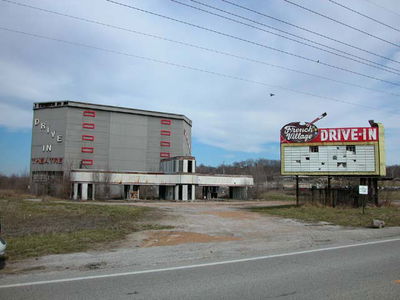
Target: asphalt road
[{"x": 364, "y": 271}]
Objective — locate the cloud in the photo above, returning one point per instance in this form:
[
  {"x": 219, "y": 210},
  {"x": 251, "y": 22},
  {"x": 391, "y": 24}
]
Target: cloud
[{"x": 233, "y": 115}]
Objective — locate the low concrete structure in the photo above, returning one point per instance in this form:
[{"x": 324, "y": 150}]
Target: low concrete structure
[{"x": 176, "y": 184}]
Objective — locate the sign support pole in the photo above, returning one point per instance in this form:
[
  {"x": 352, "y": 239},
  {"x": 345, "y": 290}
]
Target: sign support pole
[{"x": 297, "y": 190}]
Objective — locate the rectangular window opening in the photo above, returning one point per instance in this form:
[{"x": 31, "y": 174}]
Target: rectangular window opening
[
  {"x": 314, "y": 149},
  {"x": 351, "y": 148}
]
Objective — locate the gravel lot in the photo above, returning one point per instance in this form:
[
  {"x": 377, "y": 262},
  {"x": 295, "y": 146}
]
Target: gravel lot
[{"x": 204, "y": 231}]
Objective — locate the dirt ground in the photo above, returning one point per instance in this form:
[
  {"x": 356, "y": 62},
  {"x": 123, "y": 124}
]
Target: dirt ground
[{"x": 203, "y": 231}]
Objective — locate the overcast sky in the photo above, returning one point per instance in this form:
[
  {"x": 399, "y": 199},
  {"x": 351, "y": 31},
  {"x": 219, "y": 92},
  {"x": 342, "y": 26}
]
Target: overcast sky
[{"x": 147, "y": 66}]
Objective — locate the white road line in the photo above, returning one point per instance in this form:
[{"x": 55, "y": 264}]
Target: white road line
[{"x": 193, "y": 266}]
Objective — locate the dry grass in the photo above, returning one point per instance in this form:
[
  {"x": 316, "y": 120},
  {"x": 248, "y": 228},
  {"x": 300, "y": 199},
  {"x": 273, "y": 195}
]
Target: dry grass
[
  {"x": 47, "y": 227},
  {"x": 275, "y": 195},
  {"x": 340, "y": 216}
]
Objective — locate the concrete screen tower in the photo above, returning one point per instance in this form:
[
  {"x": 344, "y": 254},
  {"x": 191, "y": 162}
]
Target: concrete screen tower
[{"x": 69, "y": 135}]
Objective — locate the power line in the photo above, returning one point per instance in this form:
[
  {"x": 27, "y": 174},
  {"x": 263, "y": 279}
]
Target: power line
[
  {"x": 310, "y": 31},
  {"x": 251, "y": 42},
  {"x": 184, "y": 67},
  {"x": 363, "y": 15},
  {"x": 200, "y": 47},
  {"x": 341, "y": 23},
  {"x": 374, "y": 64},
  {"x": 382, "y": 7}
]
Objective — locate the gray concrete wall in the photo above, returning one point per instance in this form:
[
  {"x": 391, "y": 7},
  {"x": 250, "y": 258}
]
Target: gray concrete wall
[
  {"x": 48, "y": 139},
  {"x": 122, "y": 141}
]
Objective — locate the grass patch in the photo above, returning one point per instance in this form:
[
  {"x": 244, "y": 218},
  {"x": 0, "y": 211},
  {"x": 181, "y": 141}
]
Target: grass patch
[
  {"x": 278, "y": 196},
  {"x": 339, "y": 216},
  {"x": 39, "y": 228}
]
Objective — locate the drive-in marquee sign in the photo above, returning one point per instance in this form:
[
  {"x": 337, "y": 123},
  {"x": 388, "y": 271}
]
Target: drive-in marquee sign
[{"x": 307, "y": 150}]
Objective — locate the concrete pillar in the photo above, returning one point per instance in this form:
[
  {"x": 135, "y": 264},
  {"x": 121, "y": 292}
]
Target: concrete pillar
[
  {"x": 193, "y": 192},
  {"x": 93, "y": 191},
  {"x": 193, "y": 166},
  {"x": 171, "y": 190},
  {"x": 84, "y": 191},
  {"x": 75, "y": 193},
  {"x": 177, "y": 192},
  {"x": 185, "y": 192},
  {"x": 138, "y": 192},
  {"x": 185, "y": 166}
]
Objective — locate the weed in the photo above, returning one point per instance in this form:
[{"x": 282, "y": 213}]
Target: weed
[{"x": 340, "y": 216}]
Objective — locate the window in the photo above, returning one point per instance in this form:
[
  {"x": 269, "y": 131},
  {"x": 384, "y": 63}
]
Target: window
[
  {"x": 314, "y": 149},
  {"x": 334, "y": 157},
  {"x": 307, "y": 158},
  {"x": 342, "y": 164},
  {"x": 351, "y": 148}
]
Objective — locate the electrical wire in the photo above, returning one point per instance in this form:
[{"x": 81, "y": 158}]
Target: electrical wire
[
  {"x": 311, "y": 31},
  {"x": 251, "y": 42},
  {"x": 150, "y": 59},
  {"x": 373, "y": 65},
  {"x": 363, "y": 15},
  {"x": 162, "y": 38},
  {"x": 341, "y": 23},
  {"x": 382, "y": 7}
]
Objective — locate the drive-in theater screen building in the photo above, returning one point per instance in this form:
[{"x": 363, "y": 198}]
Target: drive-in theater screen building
[
  {"x": 97, "y": 145},
  {"x": 307, "y": 150}
]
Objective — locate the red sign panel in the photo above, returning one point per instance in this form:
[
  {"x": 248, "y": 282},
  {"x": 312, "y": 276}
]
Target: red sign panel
[
  {"x": 291, "y": 134},
  {"x": 165, "y": 132},
  {"x": 87, "y": 137},
  {"x": 166, "y": 122},
  {"x": 354, "y": 134},
  {"x": 89, "y": 113},
  {"x": 87, "y": 149},
  {"x": 88, "y": 125},
  {"x": 87, "y": 162},
  {"x": 165, "y": 154},
  {"x": 47, "y": 160}
]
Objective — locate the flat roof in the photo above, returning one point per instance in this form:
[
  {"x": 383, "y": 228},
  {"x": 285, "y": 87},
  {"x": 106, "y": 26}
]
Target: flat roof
[{"x": 68, "y": 103}]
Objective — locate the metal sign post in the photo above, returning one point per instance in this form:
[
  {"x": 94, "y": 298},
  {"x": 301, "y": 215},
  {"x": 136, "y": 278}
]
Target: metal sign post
[{"x": 363, "y": 190}]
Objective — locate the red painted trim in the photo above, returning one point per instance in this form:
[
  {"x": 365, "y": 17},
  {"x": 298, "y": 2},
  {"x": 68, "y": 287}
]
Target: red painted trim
[
  {"x": 166, "y": 122},
  {"x": 88, "y": 125},
  {"x": 89, "y": 113},
  {"x": 87, "y": 162},
  {"x": 87, "y": 149},
  {"x": 87, "y": 137},
  {"x": 165, "y": 132},
  {"x": 165, "y": 154},
  {"x": 165, "y": 144}
]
